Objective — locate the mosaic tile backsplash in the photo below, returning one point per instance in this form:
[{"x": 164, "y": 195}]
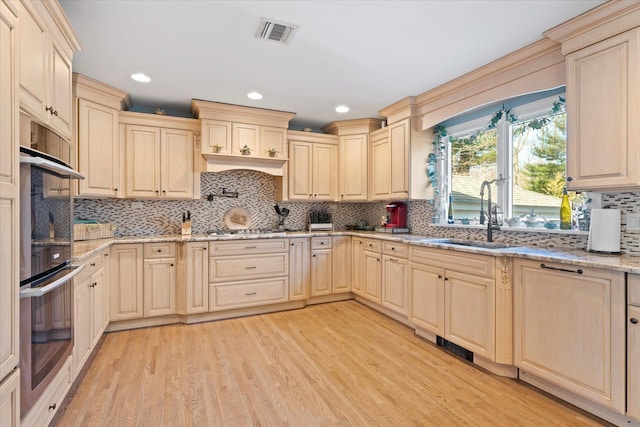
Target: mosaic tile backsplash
[{"x": 256, "y": 193}]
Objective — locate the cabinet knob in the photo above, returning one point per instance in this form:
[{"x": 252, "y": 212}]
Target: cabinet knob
[
  {"x": 164, "y": 192},
  {"x": 205, "y": 248},
  {"x": 439, "y": 276},
  {"x": 171, "y": 264},
  {"x": 446, "y": 278},
  {"x": 157, "y": 192},
  {"x": 93, "y": 264},
  {"x": 52, "y": 407},
  {"x": 106, "y": 254},
  {"x": 159, "y": 250},
  {"x": 633, "y": 320},
  {"x": 115, "y": 189},
  {"x": 569, "y": 179}
]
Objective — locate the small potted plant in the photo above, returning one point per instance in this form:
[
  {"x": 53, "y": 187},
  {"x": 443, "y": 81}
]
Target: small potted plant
[
  {"x": 245, "y": 150},
  {"x": 217, "y": 148},
  {"x": 272, "y": 152}
]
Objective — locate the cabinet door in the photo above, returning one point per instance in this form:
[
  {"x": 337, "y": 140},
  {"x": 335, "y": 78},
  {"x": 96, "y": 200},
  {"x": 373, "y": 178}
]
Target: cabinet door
[
  {"x": 245, "y": 134},
  {"x": 142, "y": 161},
  {"x": 216, "y": 132},
  {"x": 569, "y": 329},
  {"x": 300, "y": 165},
  {"x": 426, "y": 287},
  {"x": 272, "y": 137},
  {"x": 9, "y": 209},
  {"x": 341, "y": 264},
  {"x": 603, "y": 88},
  {"x": 470, "y": 312},
  {"x": 299, "y": 269},
  {"x": 10, "y": 400},
  {"x": 394, "y": 283},
  {"x": 82, "y": 324},
  {"x": 98, "y": 150},
  {"x": 353, "y": 166},
  {"x": 61, "y": 98},
  {"x": 126, "y": 281},
  {"x": 373, "y": 277},
  {"x": 399, "y": 134},
  {"x": 324, "y": 171},
  {"x": 357, "y": 266},
  {"x": 321, "y": 272},
  {"x": 633, "y": 363},
  {"x": 197, "y": 278},
  {"x": 381, "y": 170},
  {"x": 159, "y": 287},
  {"x": 176, "y": 169},
  {"x": 34, "y": 43}
]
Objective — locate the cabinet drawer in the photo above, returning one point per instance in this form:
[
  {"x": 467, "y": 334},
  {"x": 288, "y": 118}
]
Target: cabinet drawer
[
  {"x": 321, "y": 242},
  {"x": 395, "y": 249},
  {"x": 372, "y": 245},
  {"x": 223, "y": 269},
  {"x": 477, "y": 265},
  {"x": 49, "y": 402},
  {"x": 159, "y": 250},
  {"x": 249, "y": 293},
  {"x": 633, "y": 289},
  {"x": 248, "y": 247},
  {"x": 90, "y": 266}
]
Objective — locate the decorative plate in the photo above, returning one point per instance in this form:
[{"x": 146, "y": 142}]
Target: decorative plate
[{"x": 237, "y": 219}]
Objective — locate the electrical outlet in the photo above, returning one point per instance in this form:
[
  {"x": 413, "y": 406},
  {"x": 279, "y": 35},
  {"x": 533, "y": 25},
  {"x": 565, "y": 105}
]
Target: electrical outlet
[
  {"x": 136, "y": 205},
  {"x": 633, "y": 222}
]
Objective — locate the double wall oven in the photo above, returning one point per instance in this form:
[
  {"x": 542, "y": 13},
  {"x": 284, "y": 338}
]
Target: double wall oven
[{"x": 46, "y": 248}]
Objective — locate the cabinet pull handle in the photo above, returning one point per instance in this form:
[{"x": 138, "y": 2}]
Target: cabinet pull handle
[
  {"x": 250, "y": 293},
  {"x": 250, "y": 247},
  {"x": 249, "y": 267},
  {"x": 566, "y": 270},
  {"x": 633, "y": 320},
  {"x": 53, "y": 407},
  {"x": 93, "y": 264}
]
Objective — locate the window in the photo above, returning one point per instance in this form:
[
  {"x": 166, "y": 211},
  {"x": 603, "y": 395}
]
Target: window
[{"x": 521, "y": 150}]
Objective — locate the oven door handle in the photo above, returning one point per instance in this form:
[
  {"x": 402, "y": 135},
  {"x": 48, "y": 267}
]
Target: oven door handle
[{"x": 38, "y": 292}]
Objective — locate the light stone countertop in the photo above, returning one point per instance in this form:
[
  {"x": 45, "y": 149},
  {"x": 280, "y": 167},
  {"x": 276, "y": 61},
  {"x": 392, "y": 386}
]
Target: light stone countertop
[{"x": 629, "y": 264}]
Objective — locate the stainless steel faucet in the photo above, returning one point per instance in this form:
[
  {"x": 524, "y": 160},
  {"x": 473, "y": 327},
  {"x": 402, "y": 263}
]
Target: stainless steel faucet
[{"x": 490, "y": 226}]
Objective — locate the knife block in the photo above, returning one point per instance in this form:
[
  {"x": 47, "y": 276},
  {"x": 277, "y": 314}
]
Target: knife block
[{"x": 186, "y": 228}]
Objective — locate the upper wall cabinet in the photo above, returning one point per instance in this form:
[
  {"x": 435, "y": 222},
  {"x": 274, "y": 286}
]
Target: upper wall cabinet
[
  {"x": 353, "y": 163},
  {"x": 312, "y": 166},
  {"x": 160, "y": 156},
  {"x": 47, "y": 43},
  {"x": 234, "y": 130},
  {"x": 602, "y": 49},
  {"x": 97, "y": 138}
]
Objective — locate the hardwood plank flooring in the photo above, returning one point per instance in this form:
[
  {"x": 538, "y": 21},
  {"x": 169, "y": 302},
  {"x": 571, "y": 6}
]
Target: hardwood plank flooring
[{"x": 338, "y": 364}]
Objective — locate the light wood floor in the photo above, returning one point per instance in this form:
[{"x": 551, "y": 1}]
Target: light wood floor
[{"x": 334, "y": 364}]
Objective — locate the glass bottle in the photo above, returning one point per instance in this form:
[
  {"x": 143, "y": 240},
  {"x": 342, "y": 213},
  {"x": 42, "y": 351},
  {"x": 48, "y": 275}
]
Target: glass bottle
[
  {"x": 565, "y": 211},
  {"x": 450, "y": 211}
]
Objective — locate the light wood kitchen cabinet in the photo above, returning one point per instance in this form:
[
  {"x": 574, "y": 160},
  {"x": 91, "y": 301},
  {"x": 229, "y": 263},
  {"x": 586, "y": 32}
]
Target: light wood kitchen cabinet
[
  {"x": 10, "y": 400},
  {"x": 380, "y": 165},
  {"x": 248, "y": 273},
  {"x": 569, "y": 325},
  {"x": 341, "y": 248},
  {"x": 273, "y": 138},
  {"x": 9, "y": 214},
  {"x": 426, "y": 287},
  {"x": 244, "y": 134},
  {"x": 51, "y": 399},
  {"x": 61, "y": 149},
  {"x": 98, "y": 146},
  {"x": 633, "y": 346},
  {"x": 196, "y": 286},
  {"x": 603, "y": 103},
  {"x": 299, "y": 269},
  {"x": 353, "y": 167},
  {"x": 394, "y": 276},
  {"x": 372, "y": 286},
  {"x": 321, "y": 266},
  {"x": 45, "y": 66},
  {"x": 312, "y": 166},
  {"x": 82, "y": 322},
  {"x": 126, "y": 281},
  {"x": 216, "y": 137},
  {"x": 357, "y": 265},
  {"x": 159, "y": 289}
]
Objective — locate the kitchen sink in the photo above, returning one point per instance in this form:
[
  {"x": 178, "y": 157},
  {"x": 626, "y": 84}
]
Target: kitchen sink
[{"x": 475, "y": 243}]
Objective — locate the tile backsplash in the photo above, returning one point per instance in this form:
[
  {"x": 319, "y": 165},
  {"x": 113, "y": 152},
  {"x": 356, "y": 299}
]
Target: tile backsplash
[{"x": 256, "y": 193}]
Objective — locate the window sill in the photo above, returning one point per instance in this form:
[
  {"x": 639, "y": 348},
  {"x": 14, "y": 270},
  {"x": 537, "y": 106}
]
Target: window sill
[{"x": 515, "y": 229}]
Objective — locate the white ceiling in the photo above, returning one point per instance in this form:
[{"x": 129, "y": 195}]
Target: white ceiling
[{"x": 364, "y": 54}]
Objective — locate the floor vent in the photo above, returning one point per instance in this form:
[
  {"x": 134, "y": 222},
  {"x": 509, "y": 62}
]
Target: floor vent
[
  {"x": 276, "y": 31},
  {"x": 455, "y": 349}
]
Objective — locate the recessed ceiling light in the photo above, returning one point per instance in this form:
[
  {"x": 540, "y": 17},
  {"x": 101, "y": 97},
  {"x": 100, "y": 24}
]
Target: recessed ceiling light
[
  {"x": 342, "y": 109},
  {"x": 140, "y": 77},
  {"x": 254, "y": 95}
]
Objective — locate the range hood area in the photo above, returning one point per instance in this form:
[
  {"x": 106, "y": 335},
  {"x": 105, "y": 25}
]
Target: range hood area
[{"x": 222, "y": 163}]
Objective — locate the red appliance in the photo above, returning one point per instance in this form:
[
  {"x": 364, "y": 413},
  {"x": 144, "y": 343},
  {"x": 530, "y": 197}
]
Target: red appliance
[{"x": 397, "y": 215}]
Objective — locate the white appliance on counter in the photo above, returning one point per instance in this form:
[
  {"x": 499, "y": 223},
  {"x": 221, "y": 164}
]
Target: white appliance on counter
[{"x": 604, "y": 231}]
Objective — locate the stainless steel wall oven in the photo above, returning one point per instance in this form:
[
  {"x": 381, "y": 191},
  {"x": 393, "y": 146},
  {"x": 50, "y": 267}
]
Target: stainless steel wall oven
[{"x": 46, "y": 245}]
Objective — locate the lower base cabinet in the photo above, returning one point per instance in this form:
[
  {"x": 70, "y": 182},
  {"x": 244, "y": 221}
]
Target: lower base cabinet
[
  {"x": 10, "y": 400},
  {"x": 49, "y": 403},
  {"x": 357, "y": 265},
  {"x": 126, "y": 273},
  {"x": 426, "y": 285},
  {"x": 227, "y": 296},
  {"x": 321, "y": 266},
  {"x": 341, "y": 255},
  {"x": 298, "y": 269},
  {"x": 196, "y": 279},
  {"x": 633, "y": 363},
  {"x": 569, "y": 328}
]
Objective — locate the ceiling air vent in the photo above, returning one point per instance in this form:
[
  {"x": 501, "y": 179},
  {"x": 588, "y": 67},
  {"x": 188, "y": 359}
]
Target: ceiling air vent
[{"x": 276, "y": 31}]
